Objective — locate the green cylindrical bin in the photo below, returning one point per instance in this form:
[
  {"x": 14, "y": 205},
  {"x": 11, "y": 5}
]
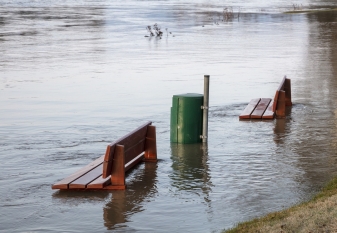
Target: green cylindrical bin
[{"x": 186, "y": 118}]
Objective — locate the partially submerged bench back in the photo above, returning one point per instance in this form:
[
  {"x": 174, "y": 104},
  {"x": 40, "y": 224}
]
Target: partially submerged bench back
[
  {"x": 283, "y": 87},
  {"x": 134, "y": 144}
]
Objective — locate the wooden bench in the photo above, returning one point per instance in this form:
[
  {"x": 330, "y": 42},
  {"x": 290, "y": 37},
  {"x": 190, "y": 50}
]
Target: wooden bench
[
  {"x": 108, "y": 171},
  {"x": 265, "y": 108}
]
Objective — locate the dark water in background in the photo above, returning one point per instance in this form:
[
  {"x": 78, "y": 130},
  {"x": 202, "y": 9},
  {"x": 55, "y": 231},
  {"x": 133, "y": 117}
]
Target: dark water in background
[{"x": 76, "y": 75}]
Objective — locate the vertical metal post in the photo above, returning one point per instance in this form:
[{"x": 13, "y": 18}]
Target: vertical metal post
[{"x": 205, "y": 109}]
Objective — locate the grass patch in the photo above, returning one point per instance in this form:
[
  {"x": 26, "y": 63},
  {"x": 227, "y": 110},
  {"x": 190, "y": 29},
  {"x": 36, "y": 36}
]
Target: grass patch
[{"x": 317, "y": 215}]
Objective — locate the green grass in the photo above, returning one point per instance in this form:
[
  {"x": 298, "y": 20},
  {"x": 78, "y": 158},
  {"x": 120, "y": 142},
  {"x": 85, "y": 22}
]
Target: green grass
[{"x": 317, "y": 215}]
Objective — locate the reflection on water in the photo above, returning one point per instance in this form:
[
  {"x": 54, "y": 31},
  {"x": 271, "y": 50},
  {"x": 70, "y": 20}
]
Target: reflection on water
[
  {"x": 190, "y": 167},
  {"x": 281, "y": 128},
  {"x": 127, "y": 202},
  {"x": 77, "y": 197},
  {"x": 119, "y": 206}
]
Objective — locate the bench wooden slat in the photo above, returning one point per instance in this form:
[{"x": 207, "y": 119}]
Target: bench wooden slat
[
  {"x": 287, "y": 89},
  {"x": 130, "y": 139},
  {"x": 150, "y": 145},
  {"x": 63, "y": 184},
  {"x": 133, "y": 162},
  {"x": 109, "y": 153},
  {"x": 281, "y": 105},
  {"x": 280, "y": 88},
  {"x": 134, "y": 151},
  {"x": 82, "y": 182},
  {"x": 275, "y": 100},
  {"x": 260, "y": 108},
  {"x": 99, "y": 183},
  {"x": 249, "y": 109},
  {"x": 127, "y": 141},
  {"x": 118, "y": 167},
  {"x": 269, "y": 113}
]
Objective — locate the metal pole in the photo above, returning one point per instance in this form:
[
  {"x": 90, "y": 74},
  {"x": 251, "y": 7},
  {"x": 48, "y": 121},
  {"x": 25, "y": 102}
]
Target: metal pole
[{"x": 205, "y": 109}]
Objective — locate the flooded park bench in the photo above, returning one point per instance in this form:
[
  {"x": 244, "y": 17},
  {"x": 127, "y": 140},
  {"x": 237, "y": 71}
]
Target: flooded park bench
[
  {"x": 108, "y": 171},
  {"x": 266, "y": 108}
]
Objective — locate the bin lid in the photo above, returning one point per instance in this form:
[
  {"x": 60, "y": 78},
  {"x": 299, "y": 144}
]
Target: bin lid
[{"x": 189, "y": 95}]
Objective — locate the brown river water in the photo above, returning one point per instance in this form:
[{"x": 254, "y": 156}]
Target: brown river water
[{"x": 76, "y": 75}]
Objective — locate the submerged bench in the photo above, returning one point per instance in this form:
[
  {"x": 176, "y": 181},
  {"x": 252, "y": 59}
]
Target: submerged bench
[
  {"x": 108, "y": 171},
  {"x": 266, "y": 108}
]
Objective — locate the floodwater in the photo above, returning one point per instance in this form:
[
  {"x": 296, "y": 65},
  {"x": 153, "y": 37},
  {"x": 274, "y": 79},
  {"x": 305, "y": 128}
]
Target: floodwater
[{"x": 76, "y": 75}]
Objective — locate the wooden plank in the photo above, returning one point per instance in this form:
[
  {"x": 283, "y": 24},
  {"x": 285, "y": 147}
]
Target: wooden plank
[
  {"x": 281, "y": 105},
  {"x": 260, "y": 108},
  {"x": 82, "y": 182},
  {"x": 249, "y": 109},
  {"x": 151, "y": 145},
  {"x": 275, "y": 101},
  {"x": 107, "y": 165},
  {"x": 118, "y": 167},
  {"x": 280, "y": 88},
  {"x": 99, "y": 183},
  {"x": 134, "y": 151},
  {"x": 127, "y": 141},
  {"x": 63, "y": 184},
  {"x": 269, "y": 113},
  {"x": 131, "y": 138},
  {"x": 134, "y": 162},
  {"x": 287, "y": 89}
]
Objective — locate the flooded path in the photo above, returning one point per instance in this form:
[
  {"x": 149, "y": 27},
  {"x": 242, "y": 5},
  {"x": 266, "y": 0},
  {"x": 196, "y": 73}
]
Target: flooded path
[{"x": 76, "y": 75}]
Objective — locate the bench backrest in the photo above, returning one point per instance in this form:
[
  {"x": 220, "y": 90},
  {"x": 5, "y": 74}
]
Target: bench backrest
[
  {"x": 134, "y": 144},
  {"x": 285, "y": 88},
  {"x": 280, "y": 88}
]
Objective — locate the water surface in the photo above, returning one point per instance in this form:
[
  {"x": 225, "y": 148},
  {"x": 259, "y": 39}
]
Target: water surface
[{"x": 76, "y": 75}]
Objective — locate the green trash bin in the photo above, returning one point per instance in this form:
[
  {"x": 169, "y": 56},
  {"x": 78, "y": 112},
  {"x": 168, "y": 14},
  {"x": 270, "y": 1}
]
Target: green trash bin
[{"x": 186, "y": 118}]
